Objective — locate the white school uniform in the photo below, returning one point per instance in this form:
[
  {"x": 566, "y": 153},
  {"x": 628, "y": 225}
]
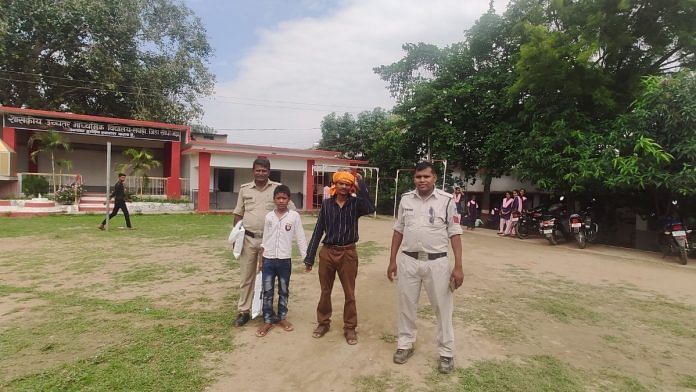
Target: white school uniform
[{"x": 278, "y": 234}]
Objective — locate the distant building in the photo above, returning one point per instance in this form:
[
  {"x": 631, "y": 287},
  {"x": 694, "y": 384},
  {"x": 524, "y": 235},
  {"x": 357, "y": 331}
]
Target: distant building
[{"x": 202, "y": 166}]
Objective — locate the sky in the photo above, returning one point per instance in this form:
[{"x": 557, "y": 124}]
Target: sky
[{"x": 282, "y": 65}]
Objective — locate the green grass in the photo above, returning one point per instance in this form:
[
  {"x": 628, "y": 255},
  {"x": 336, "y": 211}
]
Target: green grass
[
  {"x": 688, "y": 382},
  {"x": 384, "y": 381},
  {"x": 535, "y": 374},
  {"x": 76, "y": 337},
  {"x": 184, "y": 227},
  {"x": 147, "y": 273}
]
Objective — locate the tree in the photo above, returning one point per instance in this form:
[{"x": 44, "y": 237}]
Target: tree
[
  {"x": 140, "y": 163},
  {"x": 655, "y": 143},
  {"x": 63, "y": 164},
  {"x": 48, "y": 142},
  {"x": 579, "y": 67},
  {"x": 352, "y": 136},
  {"x": 142, "y": 59}
]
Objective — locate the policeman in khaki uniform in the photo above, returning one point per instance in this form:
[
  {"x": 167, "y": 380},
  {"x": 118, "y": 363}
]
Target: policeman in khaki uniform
[
  {"x": 425, "y": 226},
  {"x": 254, "y": 202}
]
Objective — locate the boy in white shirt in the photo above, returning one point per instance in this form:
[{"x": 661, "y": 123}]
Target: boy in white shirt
[{"x": 280, "y": 228}]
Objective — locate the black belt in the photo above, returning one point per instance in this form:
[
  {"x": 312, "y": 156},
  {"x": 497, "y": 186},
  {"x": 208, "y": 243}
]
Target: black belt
[
  {"x": 422, "y": 255},
  {"x": 251, "y": 234},
  {"x": 340, "y": 247}
]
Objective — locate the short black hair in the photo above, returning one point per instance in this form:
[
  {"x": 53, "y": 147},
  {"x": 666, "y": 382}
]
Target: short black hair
[
  {"x": 262, "y": 161},
  {"x": 281, "y": 189},
  {"x": 121, "y": 174},
  {"x": 420, "y": 166}
]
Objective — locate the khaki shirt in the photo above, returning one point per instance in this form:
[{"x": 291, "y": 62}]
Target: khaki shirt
[
  {"x": 254, "y": 203},
  {"x": 427, "y": 224}
]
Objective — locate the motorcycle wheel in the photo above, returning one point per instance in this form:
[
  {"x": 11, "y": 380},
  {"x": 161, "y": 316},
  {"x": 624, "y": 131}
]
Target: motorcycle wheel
[
  {"x": 522, "y": 232},
  {"x": 581, "y": 239},
  {"x": 682, "y": 256}
]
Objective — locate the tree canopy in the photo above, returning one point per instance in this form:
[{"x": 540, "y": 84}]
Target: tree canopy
[{"x": 143, "y": 59}]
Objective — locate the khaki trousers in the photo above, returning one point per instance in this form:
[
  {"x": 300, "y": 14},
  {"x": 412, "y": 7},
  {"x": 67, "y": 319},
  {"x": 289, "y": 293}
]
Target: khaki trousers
[
  {"x": 434, "y": 275},
  {"x": 344, "y": 263},
  {"x": 248, "y": 264}
]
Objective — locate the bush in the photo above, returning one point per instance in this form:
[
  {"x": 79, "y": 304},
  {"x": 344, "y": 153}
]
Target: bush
[
  {"x": 68, "y": 194},
  {"x": 34, "y": 185}
]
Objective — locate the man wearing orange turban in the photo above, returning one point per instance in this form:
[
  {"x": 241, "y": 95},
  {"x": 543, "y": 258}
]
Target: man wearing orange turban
[{"x": 338, "y": 219}]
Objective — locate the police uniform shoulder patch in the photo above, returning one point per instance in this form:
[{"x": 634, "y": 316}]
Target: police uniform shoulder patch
[
  {"x": 247, "y": 185},
  {"x": 443, "y": 193},
  {"x": 413, "y": 192}
]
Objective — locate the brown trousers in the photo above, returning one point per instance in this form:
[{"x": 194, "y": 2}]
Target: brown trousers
[{"x": 344, "y": 262}]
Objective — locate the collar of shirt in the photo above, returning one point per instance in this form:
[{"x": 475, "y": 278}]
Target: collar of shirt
[
  {"x": 268, "y": 183},
  {"x": 432, "y": 194}
]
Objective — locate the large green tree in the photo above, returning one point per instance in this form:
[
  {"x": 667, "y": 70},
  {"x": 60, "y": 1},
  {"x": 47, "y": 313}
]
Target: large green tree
[
  {"x": 144, "y": 59},
  {"x": 48, "y": 143}
]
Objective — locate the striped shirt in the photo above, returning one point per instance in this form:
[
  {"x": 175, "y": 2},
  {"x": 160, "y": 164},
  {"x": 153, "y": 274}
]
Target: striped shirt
[{"x": 339, "y": 223}]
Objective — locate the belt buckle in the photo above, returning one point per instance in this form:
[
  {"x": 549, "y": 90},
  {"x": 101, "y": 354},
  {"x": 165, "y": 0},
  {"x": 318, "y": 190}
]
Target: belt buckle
[{"x": 422, "y": 256}]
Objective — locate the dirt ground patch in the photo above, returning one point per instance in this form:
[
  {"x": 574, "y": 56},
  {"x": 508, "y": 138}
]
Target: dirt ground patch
[{"x": 602, "y": 318}]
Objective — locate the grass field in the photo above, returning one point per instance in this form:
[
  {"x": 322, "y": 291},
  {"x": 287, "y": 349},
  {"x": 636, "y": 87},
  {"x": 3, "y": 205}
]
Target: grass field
[{"x": 151, "y": 310}]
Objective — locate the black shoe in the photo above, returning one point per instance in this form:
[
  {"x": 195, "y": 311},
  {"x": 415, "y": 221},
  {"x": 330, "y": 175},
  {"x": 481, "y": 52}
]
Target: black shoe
[
  {"x": 402, "y": 355},
  {"x": 242, "y": 318},
  {"x": 446, "y": 365}
]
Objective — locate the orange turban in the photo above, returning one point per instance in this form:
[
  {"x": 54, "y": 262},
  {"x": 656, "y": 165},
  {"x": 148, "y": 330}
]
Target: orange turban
[{"x": 343, "y": 177}]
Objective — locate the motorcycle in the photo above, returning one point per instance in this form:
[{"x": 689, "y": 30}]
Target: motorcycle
[
  {"x": 529, "y": 222},
  {"x": 553, "y": 224},
  {"x": 583, "y": 228},
  {"x": 674, "y": 239},
  {"x": 493, "y": 221}
]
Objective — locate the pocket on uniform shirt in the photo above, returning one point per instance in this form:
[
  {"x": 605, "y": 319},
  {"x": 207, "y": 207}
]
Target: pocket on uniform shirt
[{"x": 409, "y": 218}]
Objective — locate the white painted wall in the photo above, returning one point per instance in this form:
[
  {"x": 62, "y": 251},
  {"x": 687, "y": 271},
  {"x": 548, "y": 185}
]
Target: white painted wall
[
  {"x": 91, "y": 164},
  {"x": 502, "y": 184}
]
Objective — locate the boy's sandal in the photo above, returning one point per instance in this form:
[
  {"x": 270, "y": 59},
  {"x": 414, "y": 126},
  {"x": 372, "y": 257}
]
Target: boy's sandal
[
  {"x": 285, "y": 324},
  {"x": 320, "y": 331},
  {"x": 263, "y": 330},
  {"x": 351, "y": 336}
]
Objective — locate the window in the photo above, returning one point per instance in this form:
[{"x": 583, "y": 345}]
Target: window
[
  {"x": 225, "y": 180},
  {"x": 275, "y": 176}
]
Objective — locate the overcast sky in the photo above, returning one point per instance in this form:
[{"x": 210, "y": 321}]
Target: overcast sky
[{"x": 285, "y": 64}]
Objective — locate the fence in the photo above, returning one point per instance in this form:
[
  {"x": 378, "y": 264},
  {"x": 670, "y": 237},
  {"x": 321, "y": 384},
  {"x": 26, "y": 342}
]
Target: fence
[{"x": 60, "y": 179}]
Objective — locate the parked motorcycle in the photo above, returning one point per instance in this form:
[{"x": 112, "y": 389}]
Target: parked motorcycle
[
  {"x": 555, "y": 224},
  {"x": 529, "y": 222},
  {"x": 674, "y": 239},
  {"x": 493, "y": 221},
  {"x": 583, "y": 228}
]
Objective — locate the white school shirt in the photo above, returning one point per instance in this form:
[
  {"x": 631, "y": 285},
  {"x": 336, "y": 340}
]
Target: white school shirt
[{"x": 278, "y": 234}]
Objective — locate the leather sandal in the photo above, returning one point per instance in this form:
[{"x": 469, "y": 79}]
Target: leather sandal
[
  {"x": 351, "y": 336},
  {"x": 320, "y": 331}
]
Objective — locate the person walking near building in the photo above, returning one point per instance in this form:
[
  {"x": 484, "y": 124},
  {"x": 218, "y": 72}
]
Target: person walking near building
[
  {"x": 282, "y": 225},
  {"x": 338, "y": 219},
  {"x": 120, "y": 197},
  {"x": 472, "y": 212},
  {"x": 423, "y": 230},
  {"x": 254, "y": 202}
]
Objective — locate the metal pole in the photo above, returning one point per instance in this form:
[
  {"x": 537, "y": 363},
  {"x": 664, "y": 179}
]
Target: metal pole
[
  {"x": 108, "y": 191},
  {"x": 376, "y": 192},
  {"x": 396, "y": 190},
  {"x": 444, "y": 175}
]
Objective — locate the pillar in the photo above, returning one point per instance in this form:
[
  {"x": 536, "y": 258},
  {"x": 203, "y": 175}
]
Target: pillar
[
  {"x": 172, "y": 169},
  {"x": 9, "y": 136},
  {"x": 309, "y": 192},
  {"x": 203, "y": 181}
]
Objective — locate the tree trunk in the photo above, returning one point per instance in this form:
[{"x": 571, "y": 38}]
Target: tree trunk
[
  {"x": 53, "y": 172},
  {"x": 486, "y": 198}
]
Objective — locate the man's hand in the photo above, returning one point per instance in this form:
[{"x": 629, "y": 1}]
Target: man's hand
[
  {"x": 391, "y": 271},
  {"x": 308, "y": 268},
  {"x": 458, "y": 277},
  {"x": 260, "y": 266}
]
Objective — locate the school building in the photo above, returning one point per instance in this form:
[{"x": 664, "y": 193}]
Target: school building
[{"x": 205, "y": 168}]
